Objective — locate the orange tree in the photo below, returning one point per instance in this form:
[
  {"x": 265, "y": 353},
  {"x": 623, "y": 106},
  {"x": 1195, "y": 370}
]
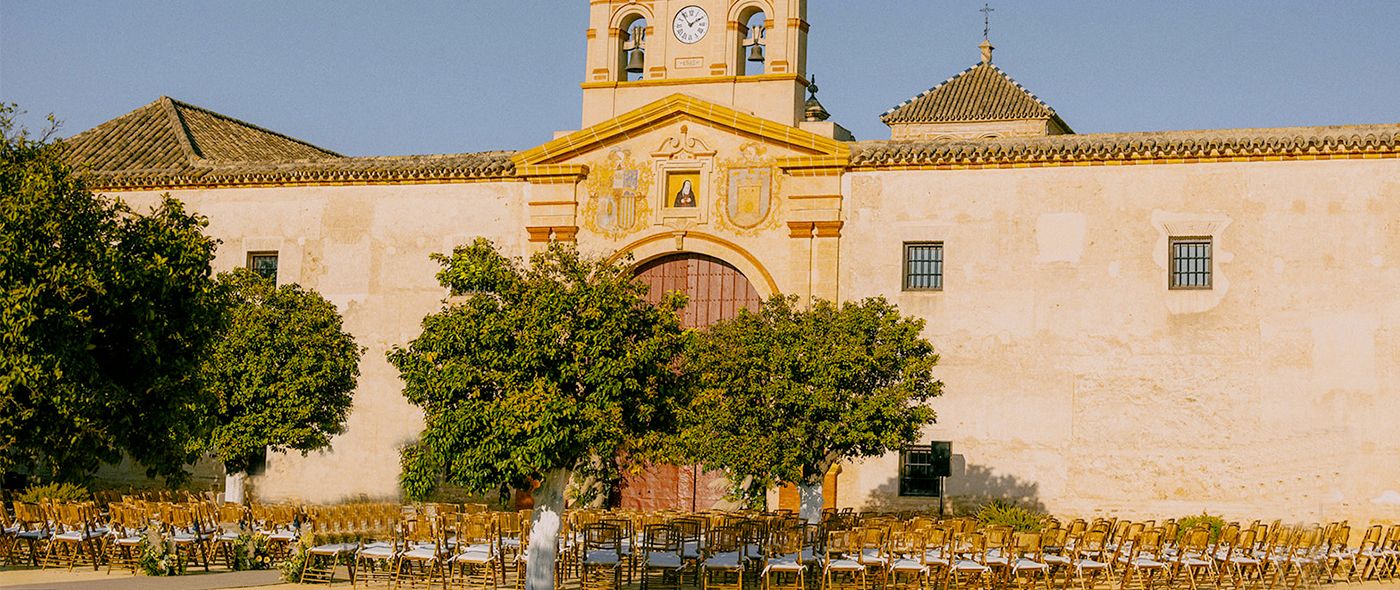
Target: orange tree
[
  {"x": 786, "y": 393},
  {"x": 104, "y": 316},
  {"x": 538, "y": 372}
]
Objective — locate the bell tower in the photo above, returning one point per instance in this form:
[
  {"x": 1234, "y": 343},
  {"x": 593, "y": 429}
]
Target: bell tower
[{"x": 750, "y": 55}]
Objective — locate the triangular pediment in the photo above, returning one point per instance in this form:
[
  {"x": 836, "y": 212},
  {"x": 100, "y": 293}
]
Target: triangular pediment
[{"x": 680, "y": 107}]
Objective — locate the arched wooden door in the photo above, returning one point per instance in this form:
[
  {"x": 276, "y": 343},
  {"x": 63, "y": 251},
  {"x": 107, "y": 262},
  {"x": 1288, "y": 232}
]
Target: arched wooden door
[{"x": 717, "y": 291}]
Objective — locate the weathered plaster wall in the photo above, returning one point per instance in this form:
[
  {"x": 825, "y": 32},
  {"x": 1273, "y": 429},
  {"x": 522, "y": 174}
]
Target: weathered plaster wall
[
  {"x": 365, "y": 248},
  {"x": 1076, "y": 379}
]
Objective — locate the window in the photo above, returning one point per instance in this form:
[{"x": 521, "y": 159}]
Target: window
[
  {"x": 922, "y": 467},
  {"x": 263, "y": 263},
  {"x": 923, "y": 266},
  {"x": 1191, "y": 263}
]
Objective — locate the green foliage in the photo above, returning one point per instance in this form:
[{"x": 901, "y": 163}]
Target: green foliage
[
  {"x": 59, "y": 492},
  {"x": 290, "y": 568},
  {"x": 159, "y": 557},
  {"x": 250, "y": 552},
  {"x": 104, "y": 314},
  {"x": 785, "y": 393},
  {"x": 1019, "y": 518},
  {"x": 555, "y": 365},
  {"x": 282, "y": 373},
  {"x": 1186, "y": 523}
]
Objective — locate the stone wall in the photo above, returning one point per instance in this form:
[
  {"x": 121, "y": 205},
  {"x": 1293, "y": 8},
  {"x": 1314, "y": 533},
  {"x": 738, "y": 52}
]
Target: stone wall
[
  {"x": 366, "y": 249},
  {"x": 1078, "y": 381}
]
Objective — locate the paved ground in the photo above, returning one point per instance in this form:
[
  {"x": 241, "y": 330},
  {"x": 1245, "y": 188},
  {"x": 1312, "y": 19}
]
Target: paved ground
[{"x": 86, "y": 579}]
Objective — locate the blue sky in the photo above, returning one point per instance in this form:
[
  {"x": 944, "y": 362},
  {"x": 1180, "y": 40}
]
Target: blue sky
[{"x": 422, "y": 76}]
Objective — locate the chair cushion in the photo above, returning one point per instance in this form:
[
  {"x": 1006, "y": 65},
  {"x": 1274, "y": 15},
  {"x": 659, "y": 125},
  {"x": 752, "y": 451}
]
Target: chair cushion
[
  {"x": 377, "y": 552},
  {"x": 601, "y": 557},
  {"x": 844, "y": 565},
  {"x": 478, "y": 556},
  {"x": 967, "y": 565},
  {"x": 421, "y": 553},
  {"x": 1056, "y": 559},
  {"x": 1147, "y": 562},
  {"x": 332, "y": 549},
  {"x": 727, "y": 560},
  {"x": 1089, "y": 564},
  {"x": 906, "y": 565},
  {"x": 663, "y": 560},
  {"x": 785, "y": 563},
  {"x": 1026, "y": 564}
]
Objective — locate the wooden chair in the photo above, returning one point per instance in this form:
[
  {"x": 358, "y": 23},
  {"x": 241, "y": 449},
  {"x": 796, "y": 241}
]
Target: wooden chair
[
  {"x": 1193, "y": 558},
  {"x": 904, "y": 559},
  {"x": 424, "y": 552},
  {"x": 77, "y": 538},
  {"x": 378, "y": 551},
  {"x": 601, "y": 557},
  {"x": 33, "y": 533},
  {"x": 1145, "y": 559},
  {"x": 969, "y": 560},
  {"x": 476, "y": 561},
  {"x": 660, "y": 555},
  {"x": 333, "y": 540},
  {"x": 723, "y": 566}
]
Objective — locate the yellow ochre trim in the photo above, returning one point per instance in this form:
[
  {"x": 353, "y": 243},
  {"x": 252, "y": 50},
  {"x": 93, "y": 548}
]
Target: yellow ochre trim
[
  {"x": 694, "y": 80},
  {"x": 1129, "y": 161},
  {"x": 704, "y": 237},
  {"x": 824, "y": 149}
]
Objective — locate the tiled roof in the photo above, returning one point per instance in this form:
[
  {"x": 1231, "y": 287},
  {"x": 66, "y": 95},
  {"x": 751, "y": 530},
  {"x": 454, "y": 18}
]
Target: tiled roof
[
  {"x": 169, "y": 135},
  {"x": 980, "y": 93},
  {"x": 169, "y": 143},
  {"x": 1222, "y": 145}
]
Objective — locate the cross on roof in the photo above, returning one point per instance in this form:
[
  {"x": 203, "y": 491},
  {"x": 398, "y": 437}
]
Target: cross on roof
[{"x": 987, "y": 11}]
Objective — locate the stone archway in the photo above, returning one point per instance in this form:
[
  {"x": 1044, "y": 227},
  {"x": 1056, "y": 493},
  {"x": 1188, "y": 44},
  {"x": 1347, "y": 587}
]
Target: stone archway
[{"x": 717, "y": 291}]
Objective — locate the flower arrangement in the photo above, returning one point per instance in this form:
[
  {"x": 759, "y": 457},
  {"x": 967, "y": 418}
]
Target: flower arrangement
[
  {"x": 296, "y": 560},
  {"x": 159, "y": 557},
  {"x": 250, "y": 552}
]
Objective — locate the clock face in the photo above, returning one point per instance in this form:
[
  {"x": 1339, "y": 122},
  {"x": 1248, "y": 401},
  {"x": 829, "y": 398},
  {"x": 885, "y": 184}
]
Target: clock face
[{"x": 691, "y": 25}]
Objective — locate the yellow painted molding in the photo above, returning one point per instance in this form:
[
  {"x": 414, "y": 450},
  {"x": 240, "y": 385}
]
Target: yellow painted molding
[
  {"x": 696, "y": 80},
  {"x": 703, "y": 237},
  {"x": 822, "y": 149}
]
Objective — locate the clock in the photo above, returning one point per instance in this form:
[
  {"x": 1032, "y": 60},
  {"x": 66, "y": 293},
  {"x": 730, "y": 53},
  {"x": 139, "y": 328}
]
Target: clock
[{"x": 691, "y": 25}]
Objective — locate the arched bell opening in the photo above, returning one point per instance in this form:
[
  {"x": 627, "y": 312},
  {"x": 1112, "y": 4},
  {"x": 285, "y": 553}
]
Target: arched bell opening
[
  {"x": 751, "y": 59},
  {"x": 631, "y": 48}
]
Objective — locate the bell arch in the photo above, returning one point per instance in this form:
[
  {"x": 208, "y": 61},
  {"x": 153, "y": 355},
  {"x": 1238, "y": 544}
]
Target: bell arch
[
  {"x": 630, "y": 27},
  {"x": 749, "y": 23}
]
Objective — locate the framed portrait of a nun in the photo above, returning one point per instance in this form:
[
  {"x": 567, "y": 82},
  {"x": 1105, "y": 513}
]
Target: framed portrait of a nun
[{"x": 682, "y": 190}]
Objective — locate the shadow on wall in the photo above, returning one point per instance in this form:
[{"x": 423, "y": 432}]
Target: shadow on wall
[{"x": 969, "y": 487}]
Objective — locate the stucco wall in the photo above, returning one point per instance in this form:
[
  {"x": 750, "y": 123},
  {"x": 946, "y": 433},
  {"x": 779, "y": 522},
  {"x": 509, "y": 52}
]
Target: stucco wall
[
  {"x": 365, "y": 248},
  {"x": 1077, "y": 380}
]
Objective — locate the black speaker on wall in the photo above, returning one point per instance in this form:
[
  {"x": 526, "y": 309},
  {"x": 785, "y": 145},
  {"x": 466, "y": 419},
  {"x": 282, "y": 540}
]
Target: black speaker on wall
[{"x": 942, "y": 459}]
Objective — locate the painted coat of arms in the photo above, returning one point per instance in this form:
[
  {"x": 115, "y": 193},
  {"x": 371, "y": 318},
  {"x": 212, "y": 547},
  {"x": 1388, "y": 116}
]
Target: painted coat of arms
[
  {"x": 750, "y": 196},
  {"x": 617, "y": 191},
  {"x": 749, "y": 199}
]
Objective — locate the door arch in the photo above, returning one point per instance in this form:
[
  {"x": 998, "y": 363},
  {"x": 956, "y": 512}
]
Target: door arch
[{"x": 716, "y": 291}]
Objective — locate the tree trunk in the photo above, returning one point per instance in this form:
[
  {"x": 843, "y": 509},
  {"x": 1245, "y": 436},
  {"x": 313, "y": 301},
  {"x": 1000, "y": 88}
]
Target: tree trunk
[
  {"x": 233, "y": 486},
  {"x": 810, "y": 502},
  {"x": 544, "y": 530}
]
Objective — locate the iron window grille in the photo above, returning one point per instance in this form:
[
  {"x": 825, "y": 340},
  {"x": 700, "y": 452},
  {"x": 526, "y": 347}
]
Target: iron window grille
[
  {"x": 918, "y": 474},
  {"x": 1191, "y": 260},
  {"x": 923, "y": 266},
  {"x": 263, "y": 263}
]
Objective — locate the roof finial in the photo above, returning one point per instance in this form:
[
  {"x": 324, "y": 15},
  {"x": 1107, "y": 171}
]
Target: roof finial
[
  {"x": 987, "y": 11},
  {"x": 986, "y": 45}
]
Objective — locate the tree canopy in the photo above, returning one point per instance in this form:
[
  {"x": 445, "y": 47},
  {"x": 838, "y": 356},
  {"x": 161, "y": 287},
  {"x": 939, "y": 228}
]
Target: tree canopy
[
  {"x": 282, "y": 373},
  {"x": 535, "y": 372},
  {"x": 558, "y": 364},
  {"x": 785, "y": 393},
  {"x": 104, "y": 314}
]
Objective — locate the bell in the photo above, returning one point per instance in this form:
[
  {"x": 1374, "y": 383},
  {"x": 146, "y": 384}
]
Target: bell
[
  {"x": 636, "y": 62},
  {"x": 756, "y": 53}
]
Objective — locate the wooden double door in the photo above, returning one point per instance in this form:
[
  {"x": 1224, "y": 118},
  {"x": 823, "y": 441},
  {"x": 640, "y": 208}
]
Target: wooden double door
[{"x": 716, "y": 291}]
